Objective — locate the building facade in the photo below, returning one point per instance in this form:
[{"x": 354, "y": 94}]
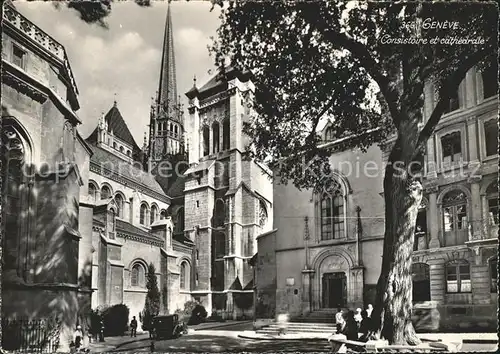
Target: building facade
[
  {"x": 339, "y": 237},
  {"x": 41, "y": 183},
  {"x": 228, "y": 199}
]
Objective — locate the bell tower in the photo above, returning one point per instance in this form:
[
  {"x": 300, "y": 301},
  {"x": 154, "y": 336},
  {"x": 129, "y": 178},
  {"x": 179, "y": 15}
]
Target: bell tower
[{"x": 166, "y": 127}]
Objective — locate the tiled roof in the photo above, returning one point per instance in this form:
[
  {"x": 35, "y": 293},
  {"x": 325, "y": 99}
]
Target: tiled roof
[
  {"x": 126, "y": 227},
  {"x": 202, "y": 166},
  {"x": 106, "y": 159}
]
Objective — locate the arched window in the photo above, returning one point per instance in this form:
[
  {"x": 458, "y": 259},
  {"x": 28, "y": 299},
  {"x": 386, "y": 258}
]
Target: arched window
[
  {"x": 128, "y": 153},
  {"x": 219, "y": 213},
  {"x": 176, "y": 131},
  {"x": 421, "y": 282},
  {"x": 184, "y": 283},
  {"x": 68, "y": 142},
  {"x": 206, "y": 141},
  {"x": 119, "y": 205},
  {"x": 225, "y": 134},
  {"x": 455, "y": 218},
  {"x": 492, "y": 198},
  {"x": 262, "y": 214},
  {"x": 121, "y": 149},
  {"x": 490, "y": 80},
  {"x": 332, "y": 213},
  {"x": 163, "y": 214},
  {"x": 491, "y": 137},
  {"x": 329, "y": 134},
  {"x": 143, "y": 217},
  {"x": 171, "y": 127},
  {"x": 105, "y": 192},
  {"x": 114, "y": 146},
  {"x": 138, "y": 275},
  {"x": 458, "y": 277},
  {"x": 493, "y": 264},
  {"x": 15, "y": 159},
  {"x": 93, "y": 191},
  {"x": 215, "y": 134},
  {"x": 179, "y": 225},
  {"x": 154, "y": 214}
]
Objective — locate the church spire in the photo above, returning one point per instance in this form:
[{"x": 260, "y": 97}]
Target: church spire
[{"x": 167, "y": 93}]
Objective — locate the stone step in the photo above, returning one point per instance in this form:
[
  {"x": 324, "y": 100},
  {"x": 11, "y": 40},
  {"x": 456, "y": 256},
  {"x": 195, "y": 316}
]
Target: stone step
[
  {"x": 274, "y": 331},
  {"x": 307, "y": 324},
  {"x": 304, "y": 328},
  {"x": 324, "y": 320}
]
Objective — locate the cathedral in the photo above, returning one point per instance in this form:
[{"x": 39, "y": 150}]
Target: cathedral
[{"x": 84, "y": 217}]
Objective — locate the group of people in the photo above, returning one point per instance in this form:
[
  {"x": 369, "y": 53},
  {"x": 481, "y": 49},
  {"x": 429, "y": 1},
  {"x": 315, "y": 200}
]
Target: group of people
[{"x": 352, "y": 323}]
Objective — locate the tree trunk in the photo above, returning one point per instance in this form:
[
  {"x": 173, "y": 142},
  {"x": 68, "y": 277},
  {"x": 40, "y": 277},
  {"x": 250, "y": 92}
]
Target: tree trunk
[{"x": 393, "y": 306}]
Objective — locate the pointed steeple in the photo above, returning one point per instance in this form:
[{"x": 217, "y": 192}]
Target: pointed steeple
[{"x": 167, "y": 93}]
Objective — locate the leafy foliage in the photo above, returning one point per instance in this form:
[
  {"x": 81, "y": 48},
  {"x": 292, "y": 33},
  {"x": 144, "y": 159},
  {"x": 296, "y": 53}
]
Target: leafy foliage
[
  {"x": 115, "y": 319},
  {"x": 153, "y": 298},
  {"x": 312, "y": 60}
]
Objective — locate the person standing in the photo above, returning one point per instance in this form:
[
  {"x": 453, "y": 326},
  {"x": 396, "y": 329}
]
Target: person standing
[
  {"x": 350, "y": 328},
  {"x": 339, "y": 320},
  {"x": 133, "y": 327},
  {"x": 78, "y": 337},
  {"x": 369, "y": 310},
  {"x": 357, "y": 317}
]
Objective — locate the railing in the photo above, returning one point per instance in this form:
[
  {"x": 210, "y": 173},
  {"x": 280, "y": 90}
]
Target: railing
[
  {"x": 39, "y": 336},
  {"x": 34, "y": 32}
]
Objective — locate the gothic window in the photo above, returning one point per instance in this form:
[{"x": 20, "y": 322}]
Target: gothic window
[
  {"x": 13, "y": 154},
  {"x": 154, "y": 214},
  {"x": 219, "y": 213},
  {"x": 68, "y": 142},
  {"x": 332, "y": 213},
  {"x": 458, "y": 277},
  {"x": 329, "y": 134},
  {"x": 143, "y": 215},
  {"x": 105, "y": 192},
  {"x": 421, "y": 282},
  {"x": 215, "y": 134},
  {"x": 163, "y": 214},
  {"x": 453, "y": 103},
  {"x": 119, "y": 205},
  {"x": 138, "y": 275},
  {"x": 455, "y": 218},
  {"x": 491, "y": 137},
  {"x": 206, "y": 141},
  {"x": 179, "y": 225},
  {"x": 18, "y": 56},
  {"x": 184, "y": 283},
  {"x": 93, "y": 191},
  {"x": 262, "y": 214},
  {"x": 490, "y": 80},
  {"x": 225, "y": 134},
  {"x": 112, "y": 220},
  {"x": 493, "y": 264},
  {"x": 451, "y": 145},
  {"x": 492, "y": 198}
]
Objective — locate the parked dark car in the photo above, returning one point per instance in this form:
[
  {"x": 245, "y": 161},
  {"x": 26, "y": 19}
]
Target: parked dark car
[{"x": 164, "y": 327}]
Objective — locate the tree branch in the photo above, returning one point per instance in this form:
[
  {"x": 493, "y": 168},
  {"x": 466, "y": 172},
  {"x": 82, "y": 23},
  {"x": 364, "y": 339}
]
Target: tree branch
[{"x": 450, "y": 85}]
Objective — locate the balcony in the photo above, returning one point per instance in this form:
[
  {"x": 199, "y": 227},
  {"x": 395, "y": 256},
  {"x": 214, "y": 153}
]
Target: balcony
[{"x": 15, "y": 19}]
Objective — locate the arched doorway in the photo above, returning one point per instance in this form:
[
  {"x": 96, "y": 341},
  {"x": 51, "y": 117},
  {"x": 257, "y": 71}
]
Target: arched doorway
[{"x": 334, "y": 290}]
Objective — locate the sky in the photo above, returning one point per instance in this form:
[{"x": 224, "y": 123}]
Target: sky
[{"x": 123, "y": 61}]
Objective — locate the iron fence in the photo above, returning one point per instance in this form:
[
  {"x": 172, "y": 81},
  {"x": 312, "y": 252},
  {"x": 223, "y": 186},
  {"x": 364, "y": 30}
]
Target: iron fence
[{"x": 31, "y": 336}]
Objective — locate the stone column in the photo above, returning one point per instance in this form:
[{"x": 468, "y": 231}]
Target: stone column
[
  {"x": 431, "y": 167},
  {"x": 437, "y": 279},
  {"x": 306, "y": 291},
  {"x": 485, "y": 225},
  {"x": 472, "y": 143},
  {"x": 433, "y": 218},
  {"x": 126, "y": 209},
  {"x": 475, "y": 217}
]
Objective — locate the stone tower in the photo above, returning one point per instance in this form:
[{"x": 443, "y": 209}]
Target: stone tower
[
  {"x": 227, "y": 197},
  {"x": 166, "y": 128}
]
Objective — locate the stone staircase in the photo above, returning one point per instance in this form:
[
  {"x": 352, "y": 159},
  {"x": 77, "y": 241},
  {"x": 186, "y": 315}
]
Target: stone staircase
[
  {"x": 314, "y": 329},
  {"x": 318, "y": 316}
]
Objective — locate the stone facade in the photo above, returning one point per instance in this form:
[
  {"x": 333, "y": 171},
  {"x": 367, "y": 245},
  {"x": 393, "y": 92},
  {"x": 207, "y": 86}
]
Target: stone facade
[
  {"x": 41, "y": 182},
  {"x": 228, "y": 199},
  {"x": 455, "y": 257}
]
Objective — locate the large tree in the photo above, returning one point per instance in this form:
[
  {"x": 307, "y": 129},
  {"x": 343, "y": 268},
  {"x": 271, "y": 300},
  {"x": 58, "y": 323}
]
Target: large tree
[{"x": 311, "y": 60}]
